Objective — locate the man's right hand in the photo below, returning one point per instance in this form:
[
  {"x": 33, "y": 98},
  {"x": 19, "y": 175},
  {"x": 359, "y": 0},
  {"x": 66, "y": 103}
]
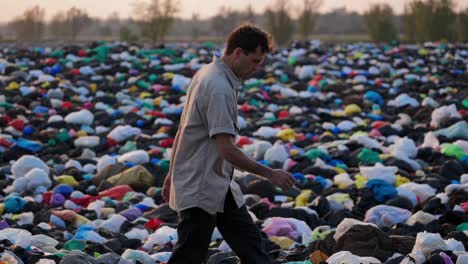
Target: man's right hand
[
  {"x": 281, "y": 178},
  {"x": 166, "y": 190}
]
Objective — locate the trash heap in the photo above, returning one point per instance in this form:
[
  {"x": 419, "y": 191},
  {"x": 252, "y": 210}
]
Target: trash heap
[{"x": 376, "y": 137}]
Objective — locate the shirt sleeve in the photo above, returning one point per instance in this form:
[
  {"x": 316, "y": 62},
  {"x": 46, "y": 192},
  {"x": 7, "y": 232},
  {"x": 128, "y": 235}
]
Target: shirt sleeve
[{"x": 220, "y": 114}]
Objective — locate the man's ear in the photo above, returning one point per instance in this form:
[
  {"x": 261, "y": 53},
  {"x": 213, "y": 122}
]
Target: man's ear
[{"x": 237, "y": 52}]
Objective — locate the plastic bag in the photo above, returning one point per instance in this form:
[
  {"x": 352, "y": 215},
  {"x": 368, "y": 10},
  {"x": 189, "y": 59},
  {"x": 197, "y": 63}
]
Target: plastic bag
[
  {"x": 121, "y": 133},
  {"x": 385, "y": 215},
  {"x": 104, "y": 161},
  {"x": 87, "y": 142},
  {"x": 404, "y": 148},
  {"x": 10, "y": 258},
  {"x": 278, "y": 226},
  {"x": 343, "y": 180},
  {"x": 135, "y": 157},
  {"x": 82, "y": 117},
  {"x": 430, "y": 141},
  {"x": 443, "y": 113},
  {"x": 26, "y": 163},
  {"x": 367, "y": 141},
  {"x": 428, "y": 242},
  {"x": 114, "y": 223},
  {"x": 346, "y": 125},
  {"x": 379, "y": 171},
  {"x": 266, "y": 132},
  {"x": 420, "y": 217},
  {"x": 136, "y": 233},
  {"x": 403, "y": 100},
  {"x": 277, "y": 153},
  {"x": 458, "y": 131},
  {"x": 42, "y": 241},
  {"x": 346, "y": 257},
  {"x": 423, "y": 191},
  {"x": 162, "y": 236},
  {"x": 345, "y": 225},
  {"x": 137, "y": 255}
]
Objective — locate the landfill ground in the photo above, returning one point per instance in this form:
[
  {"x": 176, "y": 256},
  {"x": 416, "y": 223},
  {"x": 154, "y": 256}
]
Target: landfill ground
[{"x": 376, "y": 137}]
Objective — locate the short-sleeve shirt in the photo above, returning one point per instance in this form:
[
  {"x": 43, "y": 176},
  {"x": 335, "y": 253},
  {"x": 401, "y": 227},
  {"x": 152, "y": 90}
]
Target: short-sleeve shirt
[{"x": 200, "y": 176}]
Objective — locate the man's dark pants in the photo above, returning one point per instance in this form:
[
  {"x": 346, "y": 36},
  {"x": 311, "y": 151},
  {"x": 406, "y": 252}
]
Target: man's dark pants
[{"x": 235, "y": 225}]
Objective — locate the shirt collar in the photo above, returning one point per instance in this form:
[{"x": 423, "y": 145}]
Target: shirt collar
[{"x": 230, "y": 74}]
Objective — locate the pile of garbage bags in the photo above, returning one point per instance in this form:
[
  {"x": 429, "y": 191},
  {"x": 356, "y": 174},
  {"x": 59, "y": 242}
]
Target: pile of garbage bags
[{"x": 376, "y": 137}]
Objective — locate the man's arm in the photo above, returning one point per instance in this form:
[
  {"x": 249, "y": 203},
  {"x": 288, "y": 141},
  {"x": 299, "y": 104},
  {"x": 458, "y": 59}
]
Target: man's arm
[
  {"x": 230, "y": 152},
  {"x": 173, "y": 151},
  {"x": 167, "y": 182}
]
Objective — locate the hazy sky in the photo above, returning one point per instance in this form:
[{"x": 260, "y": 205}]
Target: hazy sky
[{"x": 206, "y": 8}]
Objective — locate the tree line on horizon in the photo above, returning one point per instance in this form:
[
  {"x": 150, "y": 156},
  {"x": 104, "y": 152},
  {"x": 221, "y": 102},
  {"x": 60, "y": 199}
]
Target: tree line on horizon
[{"x": 422, "y": 20}]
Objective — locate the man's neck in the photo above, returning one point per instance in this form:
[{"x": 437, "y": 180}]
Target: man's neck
[{"x": 228, "y": 62}]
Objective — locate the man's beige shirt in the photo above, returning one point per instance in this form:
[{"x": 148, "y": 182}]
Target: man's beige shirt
[{"x": 200, "y": 176}]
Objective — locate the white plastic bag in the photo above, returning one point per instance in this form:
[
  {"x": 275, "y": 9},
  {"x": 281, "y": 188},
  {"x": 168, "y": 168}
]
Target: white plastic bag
[
  {"x": 266, "y": 132},
  {"x": 343, "y": 179},
  {"x": 37, "y": 177},
  {"x": 403, "y": 100},
  {"x": 42, "y": 241},
  {"x": 346, "y": 257},
  {"x": 26, "y": 163},
  {"x": 430, "y": 141},
  {"x": 379, "y": 171},
  {"x": 162, "y": 236},
  {"x": 428, "y": 242},
  {"x": 136, "y": 233},
  {"x": 346, "y": 125},
  {"x": 277, "y": 153},
  {"x": 82, "y": 117},
  {"x": 136, "y": 157},
  {"x": 443, "y": 113},
  {"x": 104, "y": 161},
  {"x": 87, "y": 142},
  {"x": 404, "y": 148},
  {"x": 385, "y": 215},
  {"x": 420, "y": 217},
  {"x": 121, "y": 133},
  {"x": 137, "y": 255},
  {"x": 422, "y": 190},
  {"x": 114, "y": 223}
]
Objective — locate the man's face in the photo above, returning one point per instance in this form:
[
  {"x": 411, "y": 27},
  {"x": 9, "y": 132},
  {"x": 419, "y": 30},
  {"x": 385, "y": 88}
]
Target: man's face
[{"x": 249, "y": 64}]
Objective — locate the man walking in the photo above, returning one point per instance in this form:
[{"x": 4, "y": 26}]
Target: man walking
[{"x": 199, "y": 184}]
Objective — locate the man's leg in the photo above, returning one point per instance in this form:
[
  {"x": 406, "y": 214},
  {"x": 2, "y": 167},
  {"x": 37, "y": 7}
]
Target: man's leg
[
  {"x": 195, "y": 229},
  {"x": 240, "y": 232}
]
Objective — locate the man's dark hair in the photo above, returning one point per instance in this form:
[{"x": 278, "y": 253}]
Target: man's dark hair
[{"x": 248, "y": 37}]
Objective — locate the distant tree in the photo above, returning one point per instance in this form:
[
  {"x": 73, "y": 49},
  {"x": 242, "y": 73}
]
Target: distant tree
[
  {"x": 57, "y": 25},
  {"x": 30, "y": 25},
  {"x": 339, "y": 21},
  {"x": 280, "y": 22},
  {"x": 249, "y": 14},
  {"x": 444, "y": 21},
  {"x": 157, "y": 18},
  {"x": 308, "y": 17},
  {"x": 195, "y": 26},
  {"x": 462, "y": 25},
  {"x": 105, "y": 31},
  {"x": 76, "y": 20},
  {"x": 218, "y": 22},
  {"x": 429, "y": 20},
  {"x": 113, "y": 18},
  {"x": 225, "y": 21},
  {"x": 379, "y": 22},
  {"x": 127, "y": 35}
]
